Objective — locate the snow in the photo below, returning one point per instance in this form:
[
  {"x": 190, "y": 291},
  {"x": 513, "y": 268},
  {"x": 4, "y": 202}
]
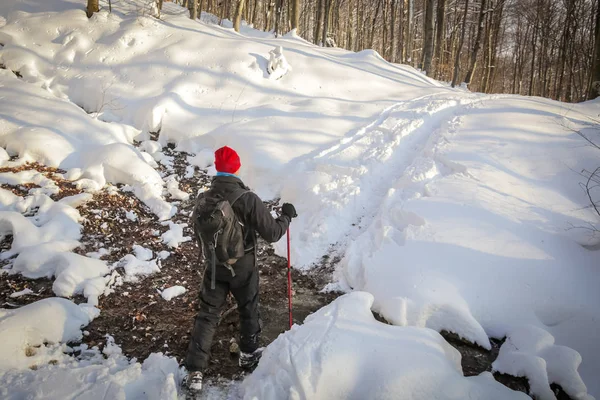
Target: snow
[
  {"x": 135, "y": 267},
  {"x": 47, "y": 186},
  {"x": 92, "y": 376},
  {"x": 98, "y": 254},
  {"x": 24, "y": 292},
  {"x": 450, "y": 210},
  {"x": 278, "y": 65},
  {"x": 142, "y": 253},
  {"x": 174, "y": 236},
  {"x": 131, "y": 215},
  {"x": 530, "y": 352},
  {"x": 173, "y": 188},
  {"x": 93, "y": 156},
  {"x": 76, "y": 274},
  {"x": 55, "y": 225},
  {"x": 52, "y": 320},
  {"x": 313, "y": 361},
  {"x": 172, "y": 292}
]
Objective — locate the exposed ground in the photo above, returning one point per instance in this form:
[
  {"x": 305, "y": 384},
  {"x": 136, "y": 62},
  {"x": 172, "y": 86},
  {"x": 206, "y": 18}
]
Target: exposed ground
[{"x": 142, "y": 322}]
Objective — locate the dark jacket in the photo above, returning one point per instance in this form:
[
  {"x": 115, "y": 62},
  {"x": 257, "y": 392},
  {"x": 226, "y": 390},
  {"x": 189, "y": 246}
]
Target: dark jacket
[{"x": 251, "y": 211}]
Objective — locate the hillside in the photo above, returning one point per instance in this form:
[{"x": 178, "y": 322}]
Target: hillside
[{"x": 438, "y": 209}]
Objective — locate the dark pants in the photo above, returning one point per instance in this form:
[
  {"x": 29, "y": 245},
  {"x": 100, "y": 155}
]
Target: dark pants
[{"x": 244, "y": 287}]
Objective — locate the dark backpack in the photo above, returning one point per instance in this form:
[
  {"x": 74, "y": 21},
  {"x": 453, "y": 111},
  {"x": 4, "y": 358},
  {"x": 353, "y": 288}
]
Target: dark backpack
[{"x": 218, "y": 229}]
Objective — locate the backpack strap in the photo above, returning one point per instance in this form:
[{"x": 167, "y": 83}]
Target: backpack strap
[
  {"x": 232, "y": 198},
  {"x": 235, "y": 196}
]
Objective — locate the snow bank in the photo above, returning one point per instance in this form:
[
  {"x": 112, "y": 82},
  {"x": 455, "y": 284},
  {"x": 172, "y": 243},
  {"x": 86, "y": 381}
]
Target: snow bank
[
  {"x": 55, "y": 224},
  {"x": 122, "y": 163},
  {"x": 92, "y": 151},
  {"x": 172, "y": 292},
  {"x": 314, "y": 361},
  {"x": 94, "y": 377},
  {"x": 25, "y": 329},
  {"x": 530, "y": 352},
  {"x": 472, "y": 236},
  {"x": 43, "y": 243}
]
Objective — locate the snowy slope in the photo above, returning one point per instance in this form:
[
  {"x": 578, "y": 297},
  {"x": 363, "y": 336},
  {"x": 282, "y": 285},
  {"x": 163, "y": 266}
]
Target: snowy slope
[{"x": 452, "y": 210}]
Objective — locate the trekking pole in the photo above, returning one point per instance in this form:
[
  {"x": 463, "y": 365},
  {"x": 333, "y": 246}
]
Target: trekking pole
[{"x": 289, "y": 279}]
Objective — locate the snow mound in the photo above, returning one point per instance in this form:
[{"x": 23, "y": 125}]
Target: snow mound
[
  {"x": 54, "y": 224},
  {"x": 172, "y": 292},
  {"x": 96, "y": 377},
  {"x": 74, "y": 274},
  {"x": 530, "y": 352},
  {"x": 278, "y": 65},
  {"x": 52, "y": 320},
  {"x": 122, "y": 163},
  {"x": 312, "y": 361},
  {"x": 93, "y": 155},
  {"x": 77, "y": 274}
]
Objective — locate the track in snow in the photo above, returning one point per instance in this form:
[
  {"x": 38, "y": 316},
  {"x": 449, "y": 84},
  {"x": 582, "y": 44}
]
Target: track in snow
[{"x": 355, "y": 175}]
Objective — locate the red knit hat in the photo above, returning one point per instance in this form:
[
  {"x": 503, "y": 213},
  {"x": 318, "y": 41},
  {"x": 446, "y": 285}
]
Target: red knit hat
[{"x": 227, "y": 160}]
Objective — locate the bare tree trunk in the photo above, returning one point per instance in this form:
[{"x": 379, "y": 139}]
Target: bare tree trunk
[
  {"x": 495, "y": 35},
  {"x": 439, "y": 40},
  {"x": 372, "y": 37},
  {"x": 477, "y": 45},
  {"x": 594, "y": 90},
  {"x": 401, "y": 54},
  {"x": 278, "y": 12},
  {"x": 92, "y": 7},
  {"x": 193, "y": 4},
  {"x": 533, "y": 55},
  {"x": 319, "y": 18},
  {"x": 238, "y": 15},
  {"x": 393, "y": 33},
  {"x": 160, "y": 4},
  {"x": 428, "y": 45},
  {"x": 269, "y": 15},
  {"x": 296, "y": 15},
  {"x": 255, "y": 12},
  {"x": 350, "y": 29},
  {"x": 409, "y": 31},
  {"x": 326, "y": 21},
  {"x": 460, "y": 45}
]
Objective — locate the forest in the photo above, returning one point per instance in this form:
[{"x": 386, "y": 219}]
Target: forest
[{"x": 548, "y": 48}]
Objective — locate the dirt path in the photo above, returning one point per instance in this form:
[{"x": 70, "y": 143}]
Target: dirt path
[{"x": 142, "y": 322}]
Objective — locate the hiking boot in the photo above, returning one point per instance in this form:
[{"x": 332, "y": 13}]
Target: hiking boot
[
  {"x": 192, "y": 383},
  {"x": 250, "y": 360}
]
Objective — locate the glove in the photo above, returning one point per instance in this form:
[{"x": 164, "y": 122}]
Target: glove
[{"x": 288, "y": 210}]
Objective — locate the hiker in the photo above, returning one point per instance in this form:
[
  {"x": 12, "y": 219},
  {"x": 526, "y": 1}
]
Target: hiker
[{"x": 238, "y": 275}]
